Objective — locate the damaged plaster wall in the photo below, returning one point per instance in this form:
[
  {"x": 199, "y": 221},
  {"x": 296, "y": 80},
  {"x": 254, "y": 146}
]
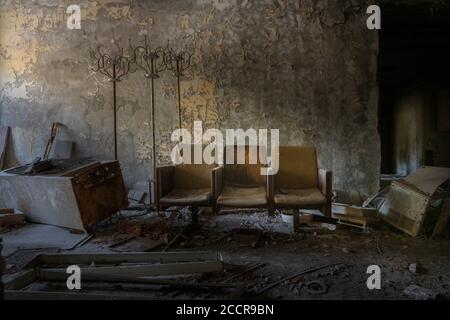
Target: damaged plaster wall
[{"x": 305, "y": 67}]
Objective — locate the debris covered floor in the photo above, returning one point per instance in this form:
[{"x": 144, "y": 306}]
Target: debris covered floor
[{"x": 263, "y": 259}]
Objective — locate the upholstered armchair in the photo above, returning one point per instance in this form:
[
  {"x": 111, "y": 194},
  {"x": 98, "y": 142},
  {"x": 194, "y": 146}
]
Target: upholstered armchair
[
  {"x": 299, "y": 183},
  {"x": 240, "y": 185},
  {"x": 185, "y": 185}
]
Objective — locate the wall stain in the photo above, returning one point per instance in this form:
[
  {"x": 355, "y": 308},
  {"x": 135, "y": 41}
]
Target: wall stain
[{"x": 305, "y": 67}]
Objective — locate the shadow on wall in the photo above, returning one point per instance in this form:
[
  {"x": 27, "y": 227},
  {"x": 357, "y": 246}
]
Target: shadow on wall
[{"x": 421, "y": 129}]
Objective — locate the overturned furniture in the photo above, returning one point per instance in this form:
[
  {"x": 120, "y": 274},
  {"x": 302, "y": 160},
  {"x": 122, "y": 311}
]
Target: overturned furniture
[
  {"x": 419, "y": 203},
  {"x": 74, "y": 194}
]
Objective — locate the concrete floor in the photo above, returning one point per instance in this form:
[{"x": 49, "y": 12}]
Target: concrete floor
[{"x": 286, "y": 254}]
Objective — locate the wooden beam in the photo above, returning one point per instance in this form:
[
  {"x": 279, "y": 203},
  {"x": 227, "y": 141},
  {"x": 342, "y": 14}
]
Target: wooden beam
[
  {"x": 58, "y": 275},
  {"x": 47, "y": 295},
  {"x": 152, "y": 269},
  {"x": 117, "y": 258},
  {"x": 24, "y": 278}
]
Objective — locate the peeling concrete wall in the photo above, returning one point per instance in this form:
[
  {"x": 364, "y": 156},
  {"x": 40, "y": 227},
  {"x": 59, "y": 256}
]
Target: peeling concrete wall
[{"x": 305, "y": 67}]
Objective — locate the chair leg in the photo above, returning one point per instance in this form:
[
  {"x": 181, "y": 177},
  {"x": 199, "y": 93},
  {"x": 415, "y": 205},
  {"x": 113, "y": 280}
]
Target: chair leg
[
  {"x": 194, "y": 215},
  {"x": 296, "y": 220},
  {"x": 326, "y": 210}
]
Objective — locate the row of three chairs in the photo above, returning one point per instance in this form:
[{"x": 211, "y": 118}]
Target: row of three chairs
[{"x": 299, "y": 184}]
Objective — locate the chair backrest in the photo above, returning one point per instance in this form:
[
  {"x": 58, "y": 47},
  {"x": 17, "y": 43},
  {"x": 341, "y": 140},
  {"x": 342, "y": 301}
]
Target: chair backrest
[
  {"x": 298, "y": 168},
  {"x": 193, "y": 176},
  {"x": 247, "y": 174}
]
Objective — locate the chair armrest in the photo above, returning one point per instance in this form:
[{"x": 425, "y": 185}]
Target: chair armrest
[
  {"x": 217, "y": 181},
  {"x": 326, "y": 183},
  {"x": 164, "y": 181}
]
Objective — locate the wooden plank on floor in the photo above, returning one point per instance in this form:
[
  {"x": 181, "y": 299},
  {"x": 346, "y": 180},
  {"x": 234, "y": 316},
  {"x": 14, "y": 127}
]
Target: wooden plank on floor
[
  {"x": 57, "y": 275},
  {"x": 47, "y": 295},
  {"x": 153, "y": 269},
  {"x": 126, "y": 257},
  {"x": 22, "y": 280}
]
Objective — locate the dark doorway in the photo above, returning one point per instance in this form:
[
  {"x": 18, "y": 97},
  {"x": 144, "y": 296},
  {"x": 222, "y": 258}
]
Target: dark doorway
[{"x": 414, "y": 81}]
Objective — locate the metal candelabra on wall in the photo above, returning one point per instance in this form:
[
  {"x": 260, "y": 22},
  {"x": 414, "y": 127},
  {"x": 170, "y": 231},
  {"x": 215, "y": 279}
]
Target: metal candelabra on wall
[
  {"x": 115, "y": 66},
  {"x": 178, "y": 63},
  {"x": 152, "y": 62}
]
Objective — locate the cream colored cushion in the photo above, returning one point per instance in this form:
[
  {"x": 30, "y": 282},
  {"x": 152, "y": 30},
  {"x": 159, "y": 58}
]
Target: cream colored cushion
[
  {"x": 299, "y": 197},
  {"x": 243, "y": 197},
  {"x": 187, "y": 197}
]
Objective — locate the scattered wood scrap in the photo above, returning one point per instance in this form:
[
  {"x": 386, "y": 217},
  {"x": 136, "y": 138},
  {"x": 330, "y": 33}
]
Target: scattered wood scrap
[{"x": 134, "y": 268}]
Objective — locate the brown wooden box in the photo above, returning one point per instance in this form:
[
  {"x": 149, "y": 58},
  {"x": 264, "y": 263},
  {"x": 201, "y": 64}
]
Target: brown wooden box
[{"x": 76, "y": 198}]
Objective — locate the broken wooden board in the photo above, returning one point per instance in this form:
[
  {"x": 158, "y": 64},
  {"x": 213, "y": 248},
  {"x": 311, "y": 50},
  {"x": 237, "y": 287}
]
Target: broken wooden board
[
  {"x": 4, "y": 137},
  {"x": 48, "y": 295},
  {"x": 22, "y": 280},
  {"x": 44, "y": 274},
  {"x": 149, "y": 270},
  {"x": 116, "y": 258}
]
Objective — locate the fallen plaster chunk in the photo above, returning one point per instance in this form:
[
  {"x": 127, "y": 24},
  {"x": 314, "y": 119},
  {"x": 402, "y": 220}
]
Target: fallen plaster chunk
[{"x": 419, "y": 293}]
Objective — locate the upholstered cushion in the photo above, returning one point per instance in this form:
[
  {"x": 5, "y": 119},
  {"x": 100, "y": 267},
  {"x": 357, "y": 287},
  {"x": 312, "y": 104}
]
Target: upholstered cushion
[
  {"x": 239, "y": 197},
  {"x": 299, "y": 197},
  {"x": 298, "y": 168},
  {"x": 187, "y": 197}
]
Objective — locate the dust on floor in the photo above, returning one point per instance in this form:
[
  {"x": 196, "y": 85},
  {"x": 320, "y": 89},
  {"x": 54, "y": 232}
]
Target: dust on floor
[{"x": 344, "y": 253}]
